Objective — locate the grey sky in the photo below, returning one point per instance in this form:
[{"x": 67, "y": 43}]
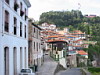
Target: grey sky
[{"x": 40, "y": 6}]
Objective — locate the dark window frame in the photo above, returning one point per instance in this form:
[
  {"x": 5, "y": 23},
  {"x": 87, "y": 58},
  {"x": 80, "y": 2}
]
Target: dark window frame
[
  {"x": 15, "y": 26},
  {"x": 7, "y": 1},
  {"x": 25, "y": 31},
  {"x": 34, "y": 29},
  {"x": 16, "y": 5},
  {"x": 21, "y": 29},
  {"x": 37, "y": 46},
  {"x": 21, "y": 11},
  {"x": 6, "y": 26},
  {"x": 34, "y": 45}
]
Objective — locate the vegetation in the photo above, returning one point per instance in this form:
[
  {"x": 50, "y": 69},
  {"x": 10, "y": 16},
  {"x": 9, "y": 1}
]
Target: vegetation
[
  {"x": 62, "y": 18},
  {"x": 94, "y": 52},
  {"x": 94, "y": 71}
]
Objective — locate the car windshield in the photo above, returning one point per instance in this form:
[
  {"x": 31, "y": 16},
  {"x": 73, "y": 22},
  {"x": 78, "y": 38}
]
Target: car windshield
[{"x": 25, "y": 71}]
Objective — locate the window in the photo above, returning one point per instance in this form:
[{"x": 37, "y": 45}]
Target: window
[
  {"x": 25, "y": 14},
  {"x": 15, "y": 26},
  {"x": 21, "y": 6},
  {"x": 16, "y": 6},
  {"x": 37, "y": 34},
  {"x": 6, "y": 28},
  {"x": 7, "y": 1},
  {"x": 25, "y": 31},
  {"x": 34, "y": 62},
  {"x": 21, "y": 29},
  {"x": 34, "y": 45},
  {"x": 34, "y": 29},
  {"x": 21, "y": 12}
]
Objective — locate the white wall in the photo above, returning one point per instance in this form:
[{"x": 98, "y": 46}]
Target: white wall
[
  {"x": 10, "y": 40},
  {"x": 63, "y": 62}
]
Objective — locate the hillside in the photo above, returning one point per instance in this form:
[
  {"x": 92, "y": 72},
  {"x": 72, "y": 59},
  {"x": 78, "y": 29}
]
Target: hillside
[{"x": 74, "y": 20}]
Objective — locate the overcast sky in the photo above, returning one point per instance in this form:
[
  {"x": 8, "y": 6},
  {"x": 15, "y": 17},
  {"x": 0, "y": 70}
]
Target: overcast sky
[{"x": 40, "y": 6}]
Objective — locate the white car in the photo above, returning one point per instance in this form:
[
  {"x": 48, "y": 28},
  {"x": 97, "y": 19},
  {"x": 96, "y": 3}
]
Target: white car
[{"x": 26, "y": 72}]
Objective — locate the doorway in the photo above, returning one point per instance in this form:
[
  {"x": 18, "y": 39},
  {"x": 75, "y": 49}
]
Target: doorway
[
  {"x": 15, "y": 60},
  {"x": 6, "y": 60}
]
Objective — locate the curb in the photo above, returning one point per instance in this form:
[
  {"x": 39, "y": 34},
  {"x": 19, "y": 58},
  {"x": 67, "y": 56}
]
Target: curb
[{"x": 85, "y": 72}]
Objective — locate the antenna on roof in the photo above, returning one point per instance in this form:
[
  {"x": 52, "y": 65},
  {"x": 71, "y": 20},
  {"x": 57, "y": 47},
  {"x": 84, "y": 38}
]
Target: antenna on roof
[{"x": 79, "y": 6}]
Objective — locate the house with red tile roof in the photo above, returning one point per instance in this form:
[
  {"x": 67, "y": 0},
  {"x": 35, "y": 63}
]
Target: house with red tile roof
[
  {"x": 82, "y": 57},
  {"x": 82, "y": 53}
]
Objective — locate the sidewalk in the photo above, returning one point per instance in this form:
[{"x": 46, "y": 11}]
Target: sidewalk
[{"x": 48, "y": 66}]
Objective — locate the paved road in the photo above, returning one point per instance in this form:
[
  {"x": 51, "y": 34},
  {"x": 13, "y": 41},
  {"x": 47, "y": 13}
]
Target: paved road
[
  {"x": 48, "y": 67},
  {"x": 72, "y": 71}
]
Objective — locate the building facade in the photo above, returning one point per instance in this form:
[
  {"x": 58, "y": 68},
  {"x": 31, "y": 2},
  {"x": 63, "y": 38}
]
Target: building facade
[
  {"x": 35, "y": 49},
  {"x": 13, "y": 36}
]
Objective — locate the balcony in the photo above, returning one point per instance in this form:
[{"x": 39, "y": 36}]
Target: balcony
[{"x": 21, "y": 13}]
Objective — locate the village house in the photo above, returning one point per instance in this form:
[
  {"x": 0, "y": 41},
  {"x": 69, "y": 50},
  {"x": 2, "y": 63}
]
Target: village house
[
  {"x": 82, "y": 57},
  {"x": 79, "y": 34},
  {"x": 47, "y": 26},
  {"x": 35, "y": 47}
]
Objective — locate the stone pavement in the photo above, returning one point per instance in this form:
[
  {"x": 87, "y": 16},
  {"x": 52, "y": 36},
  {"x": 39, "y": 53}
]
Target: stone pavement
[
  {"x": 48, "y": 66},
  {"x": 72, "y": 71}
]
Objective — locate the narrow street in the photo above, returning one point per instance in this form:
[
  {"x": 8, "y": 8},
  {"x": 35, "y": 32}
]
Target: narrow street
[
  {"x": 48, "y": 66},
  {"x": 72, "y": 71}
]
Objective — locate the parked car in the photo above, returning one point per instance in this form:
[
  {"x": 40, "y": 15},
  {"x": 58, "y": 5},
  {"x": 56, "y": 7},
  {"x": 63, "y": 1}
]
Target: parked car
[{"x": 26, "y": 72}]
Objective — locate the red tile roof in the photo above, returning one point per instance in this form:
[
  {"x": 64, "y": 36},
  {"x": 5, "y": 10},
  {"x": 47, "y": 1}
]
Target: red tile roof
[
  {"x": 54, "y": 36},
  {"x": 55, "y": 41},
  {"x": 81, "y": 52}
]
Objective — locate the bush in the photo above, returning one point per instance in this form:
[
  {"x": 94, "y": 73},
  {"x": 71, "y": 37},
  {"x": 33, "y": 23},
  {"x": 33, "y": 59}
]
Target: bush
[
  {"x": 94, "y": 70},
  {"x": 95, "y": 73}
]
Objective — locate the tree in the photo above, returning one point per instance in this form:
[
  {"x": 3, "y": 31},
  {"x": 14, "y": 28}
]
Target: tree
[
  {"x": 60, "y": 18},
  {"x": 94, "y": 52}
]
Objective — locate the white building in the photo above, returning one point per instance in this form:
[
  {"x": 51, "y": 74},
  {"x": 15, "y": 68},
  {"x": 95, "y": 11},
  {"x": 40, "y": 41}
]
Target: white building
[
  {"x": 47, "y": 26},
  {"x": 13, "y": 36}
]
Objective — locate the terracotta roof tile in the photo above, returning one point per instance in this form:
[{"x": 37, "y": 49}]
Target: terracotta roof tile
[{"x": 81, "y": 52}]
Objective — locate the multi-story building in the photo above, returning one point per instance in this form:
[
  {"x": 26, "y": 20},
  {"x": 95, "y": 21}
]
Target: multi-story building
[
  {"x": 13, "y": 36},
  {"x": 35, "y": 49}
]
